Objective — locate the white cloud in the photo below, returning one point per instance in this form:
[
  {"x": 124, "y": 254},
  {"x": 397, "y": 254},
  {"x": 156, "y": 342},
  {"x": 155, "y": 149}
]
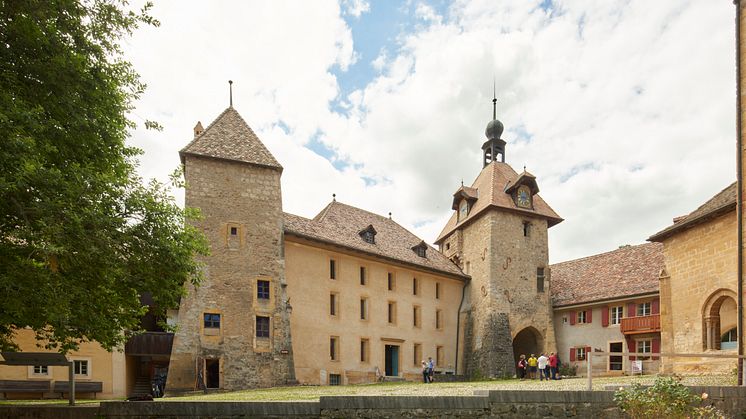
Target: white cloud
[
  {"x": 356, "y": 7},
  {"x": 625, "y": 111}
]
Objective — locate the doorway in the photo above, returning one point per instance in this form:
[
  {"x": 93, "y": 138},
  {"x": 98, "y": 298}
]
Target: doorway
[
  {"x": 616, "y": 361},
  {"x": 392, "y": 360},
  {"x": 212, "y": 373},
  {"x": 528, "y": 341}
]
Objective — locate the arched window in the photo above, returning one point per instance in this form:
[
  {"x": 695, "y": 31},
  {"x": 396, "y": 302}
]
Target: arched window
[{"x": 719, "y": 314}]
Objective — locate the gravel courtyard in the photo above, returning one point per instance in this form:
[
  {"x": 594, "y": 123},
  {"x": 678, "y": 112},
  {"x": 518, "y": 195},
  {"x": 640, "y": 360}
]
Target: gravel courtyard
[{"x": 304, "y": 393}]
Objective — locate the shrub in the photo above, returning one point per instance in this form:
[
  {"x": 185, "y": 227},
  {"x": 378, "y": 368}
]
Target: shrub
[
  {"x": 666, "y": 398},
  {"x": 568, "y": 370}
]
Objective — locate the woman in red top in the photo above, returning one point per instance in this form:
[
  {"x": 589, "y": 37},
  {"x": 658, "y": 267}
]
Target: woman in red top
[{"x": 553, "y": 365}]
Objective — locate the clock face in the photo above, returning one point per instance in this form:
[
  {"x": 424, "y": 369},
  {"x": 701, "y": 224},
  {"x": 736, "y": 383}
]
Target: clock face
[{"x": 523, "y": 197}]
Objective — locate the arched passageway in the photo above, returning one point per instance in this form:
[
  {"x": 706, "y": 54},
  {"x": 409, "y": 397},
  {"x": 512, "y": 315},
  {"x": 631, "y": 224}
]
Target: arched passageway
[
  {"x": 528, "y": 341},
  {"x": 719, "y": 316}
]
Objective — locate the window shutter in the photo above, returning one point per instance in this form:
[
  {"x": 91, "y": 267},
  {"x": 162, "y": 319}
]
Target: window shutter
[
  {"x": 572, "y": 354},
  {"x": 656, "y": 347},
  {"x": 605, "y": 316},
  {"x": 631, "y": 347},
  {"x": 655, "y": 308},
  {"x": 572, "y": 318},
  {"x": 589, "y": 316},
  {"x": 588, "y": 350},
  {"x": 631, "y": 310}
]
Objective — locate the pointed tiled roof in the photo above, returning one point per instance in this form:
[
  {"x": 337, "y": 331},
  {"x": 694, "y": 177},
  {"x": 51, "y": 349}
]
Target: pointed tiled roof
[
  {"x": 625, "y": 272},
  {"x": 491, "y": 184},
  {"x": 723, "y": 202},
  {"x": 340, "y": 225},
  {"x": 229, "y": 137}
]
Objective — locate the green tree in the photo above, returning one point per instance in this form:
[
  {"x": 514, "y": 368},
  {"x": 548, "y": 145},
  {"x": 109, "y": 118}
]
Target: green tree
[{"x": 81, "y": 236}]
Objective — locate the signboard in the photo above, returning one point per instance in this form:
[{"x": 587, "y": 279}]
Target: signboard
[{"x": 636, "y": 367}]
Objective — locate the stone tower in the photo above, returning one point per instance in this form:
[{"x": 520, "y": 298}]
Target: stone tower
[
  {"x": 498, "y": 235},
  {"x": 233, "y": 329}
]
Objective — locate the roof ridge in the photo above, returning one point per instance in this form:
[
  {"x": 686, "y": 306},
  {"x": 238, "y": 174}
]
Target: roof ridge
[
  {"x": 619, "y": 249},
  {"x": 712, "y": 198}
]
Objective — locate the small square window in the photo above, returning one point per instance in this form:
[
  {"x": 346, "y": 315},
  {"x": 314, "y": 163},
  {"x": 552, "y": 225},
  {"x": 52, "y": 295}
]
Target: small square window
[
  {"x": 234, "y": 231},
  {"x": 262, "y": 327},
  {"x": 80, "y": 367},
  {"x": 262, "y": 289},
  {"x": 212, "y": 321},
  {"x": 335, "y": 379},
  {"x": 41, "y": 370}
]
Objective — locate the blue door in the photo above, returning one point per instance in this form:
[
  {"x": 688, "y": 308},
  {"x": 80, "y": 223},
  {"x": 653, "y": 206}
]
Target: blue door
[{"x": 392, "y": 360}]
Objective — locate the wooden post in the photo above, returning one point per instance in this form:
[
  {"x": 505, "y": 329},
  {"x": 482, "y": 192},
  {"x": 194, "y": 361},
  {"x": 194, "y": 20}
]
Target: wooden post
[{"x": 71, "y": 377}]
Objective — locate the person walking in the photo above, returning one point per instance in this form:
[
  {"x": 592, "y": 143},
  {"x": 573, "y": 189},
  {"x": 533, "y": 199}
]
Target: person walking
[
  {"x": 431, "y": 368},
  {"x": 553, "y": 365},
  {"x": 532, "y": 367},
  {"x": 542, "y": 363},
  {"x": 425, "y": 372},
  {"x": 522, "y": 367}
]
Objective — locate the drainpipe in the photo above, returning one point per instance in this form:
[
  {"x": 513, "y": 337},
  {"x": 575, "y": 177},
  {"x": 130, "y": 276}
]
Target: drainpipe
[
  {"x": 458, "y": 323},
  {"x": 739, "y": 175}
]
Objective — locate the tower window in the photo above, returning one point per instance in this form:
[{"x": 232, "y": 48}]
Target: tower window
[
  {"x": 262, "y": 327},
  {"x": 526, "y": 228},
  {"x": 539, "y": 279},
  {"x": 262, "y": 289},
  {"x": 212, "y": 321},
  {"x": 234, "y": 231}
]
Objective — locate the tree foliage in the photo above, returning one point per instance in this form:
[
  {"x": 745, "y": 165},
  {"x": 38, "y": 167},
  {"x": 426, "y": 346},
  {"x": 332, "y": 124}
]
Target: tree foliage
[{"x": 81, "y": 236}]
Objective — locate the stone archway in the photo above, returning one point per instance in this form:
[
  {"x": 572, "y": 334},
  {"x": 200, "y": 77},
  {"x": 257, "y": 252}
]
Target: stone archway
[
  {"x": 718, "y": 316},
  {"x": 526, "y": 342}
]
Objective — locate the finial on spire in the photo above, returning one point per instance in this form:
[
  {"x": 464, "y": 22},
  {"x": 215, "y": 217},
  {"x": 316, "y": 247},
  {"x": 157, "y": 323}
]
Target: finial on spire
[
  {"x": 524, "y": 167},
  {"x": 462, "y": 183},
  {"x": 494, "y": 99},
  {"x": 230, "y": 90},
  {"x": 334, "y": 197},
  {"x": 389, "y": 215}
]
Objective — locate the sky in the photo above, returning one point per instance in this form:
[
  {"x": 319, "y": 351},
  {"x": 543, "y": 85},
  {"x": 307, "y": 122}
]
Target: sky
[{"x": 623, "y": 110}]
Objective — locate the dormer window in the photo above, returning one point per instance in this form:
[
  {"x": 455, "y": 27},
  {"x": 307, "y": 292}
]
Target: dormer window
[
  {"x": 369, "y": 234},
  {"x": 463, "y": 210},
  {"x": 421, "y": 249}
]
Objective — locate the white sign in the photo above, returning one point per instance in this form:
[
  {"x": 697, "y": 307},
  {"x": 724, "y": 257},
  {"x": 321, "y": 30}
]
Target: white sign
[{"x": 636, "y": 367}]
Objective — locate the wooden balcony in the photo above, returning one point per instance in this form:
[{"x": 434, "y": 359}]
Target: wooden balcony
[
  {"x": 149, "y": 344},
  {"x": 643, "y": 324}
]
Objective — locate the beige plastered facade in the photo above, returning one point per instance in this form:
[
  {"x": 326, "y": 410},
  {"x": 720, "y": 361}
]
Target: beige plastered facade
[
  {"x": 307, "y": 267},
  {"x": 104, "y": 366}
]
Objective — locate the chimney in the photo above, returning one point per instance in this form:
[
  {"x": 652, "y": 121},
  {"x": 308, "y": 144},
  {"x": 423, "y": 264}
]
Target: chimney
[
  {"x": 198, "y": 129},
  {"x": 679, "y": 218}
]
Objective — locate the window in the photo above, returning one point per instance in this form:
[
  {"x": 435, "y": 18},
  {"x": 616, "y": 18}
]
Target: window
[
  {"x": 646, "y": 347},
  {"x": 437, "y": 290},
  {"x": 333, "y": 304},
  {"x": 41, "y": 370},
  {"x": 363, "y": 309},
  {"x": 364, "y": 350},
  {"x": 439, "y": 355},
  {"x": 262, "y": 327},
  {"x": 415, "y": 286},
  {"x": 420, "y": 249},
  {"x": 262, "y": 289},
  {"x": 644, "y": 309},
  {"x": 582, "y": 316},
  {"x": 234, "y": 231},
  {"x": 539, "y": 279},
  {"x": 417, "y": 352},
  {"x": 438, "y": 320},
  {"x": 332, "y": 269},
  {"x": 391, "y": 282},
  {"x": 416, "y": 316},
  {"x": 729, "y": 340},
  {"x": 615, "y": 315},
  {"x": 580, "y": 354},
  {"x": 335, "y": 379},
  {"x": 526, "y": 228},
  {"x": 369, "y": 234},
  {"x": 392, "y": 312},
  {"x": 463, "y": 211},
  {"x": 362, "y": 275},
  {"x": 212, "y": 321},
  {"x": 80, "y": 367},
  {"x": 448, "y": 246},
  {"x": 334, "y": 348}
]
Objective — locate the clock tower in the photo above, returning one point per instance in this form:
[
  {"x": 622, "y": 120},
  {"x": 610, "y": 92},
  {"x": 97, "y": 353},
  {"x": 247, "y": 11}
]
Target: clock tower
[{"x": 498, "y": 235}]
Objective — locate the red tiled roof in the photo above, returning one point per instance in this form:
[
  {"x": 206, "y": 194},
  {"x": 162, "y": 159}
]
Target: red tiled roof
[
  {"x": 625, "y": 272},
  {"x": 723, "y": 202},
  {"x": 229, "y": 137},
  {"x": 340, "y": 224},
  {"x": 491, "y": 185}
]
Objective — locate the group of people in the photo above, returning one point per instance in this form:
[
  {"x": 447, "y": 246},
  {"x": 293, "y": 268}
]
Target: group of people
[
  {"x": 546, "y": 367},
  {"x": 428, "y": 368}
]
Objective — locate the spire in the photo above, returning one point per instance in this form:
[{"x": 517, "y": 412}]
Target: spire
[
  {"x": 230, "y": 92},
  {"x": 494, "y": 100},
  {"x": 494, "y": 146}
]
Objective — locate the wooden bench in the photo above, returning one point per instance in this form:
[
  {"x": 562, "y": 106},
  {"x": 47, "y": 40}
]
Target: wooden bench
[
  {"x": 24, "y": 386},
  {"x": 80, "y": 387}
]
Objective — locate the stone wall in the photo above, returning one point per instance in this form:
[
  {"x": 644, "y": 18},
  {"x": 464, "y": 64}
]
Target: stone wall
[
  {"x": 484, "y": 404},
  {"x": 242, "y": 219}
]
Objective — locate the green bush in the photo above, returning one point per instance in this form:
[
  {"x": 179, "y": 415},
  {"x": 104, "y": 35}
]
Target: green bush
[
  {"x": 568, "y": 370},
  {"x": 666, "y": 398}
]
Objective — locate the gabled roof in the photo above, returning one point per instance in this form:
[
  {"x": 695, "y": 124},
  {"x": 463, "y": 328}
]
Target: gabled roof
[
  {"x": 229, "y": 137},
  {"x": 464, "y": 192},
  {"x": 625, "y": 272},
  {"x": 491, "y": 185},
  {"x": 723, "y": 202},
  {"x": 524, "y": 178},
  {"x": 339, "y": 225}
]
